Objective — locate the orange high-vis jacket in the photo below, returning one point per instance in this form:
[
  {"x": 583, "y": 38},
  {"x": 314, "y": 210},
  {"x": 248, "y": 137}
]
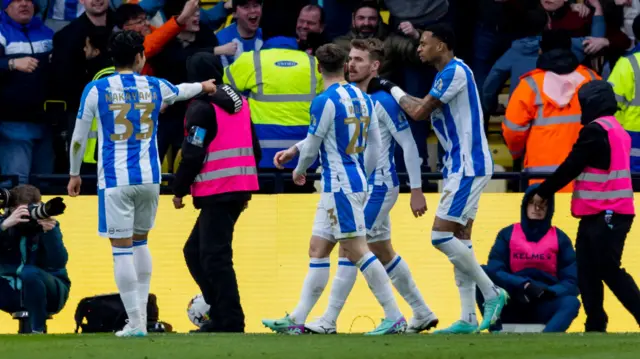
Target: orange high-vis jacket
[{"x": 543, "y": 118}]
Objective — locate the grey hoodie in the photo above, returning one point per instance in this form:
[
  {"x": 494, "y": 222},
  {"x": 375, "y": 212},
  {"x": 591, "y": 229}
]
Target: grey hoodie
[{"x": 419, "y": 12}]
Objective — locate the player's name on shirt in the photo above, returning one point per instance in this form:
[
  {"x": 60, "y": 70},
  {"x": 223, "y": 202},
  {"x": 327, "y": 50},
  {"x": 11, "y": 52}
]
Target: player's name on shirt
[{"x": 134, "y": 95}]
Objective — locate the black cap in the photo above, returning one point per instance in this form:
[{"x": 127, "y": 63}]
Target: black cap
[
  {"x": 555, "y": 39},
  {"x": 597, "y": 99},
  {"x": 204, "y": 66}
]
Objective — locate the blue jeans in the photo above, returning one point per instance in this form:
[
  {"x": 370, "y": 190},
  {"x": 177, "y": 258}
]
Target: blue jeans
[
  {"x": 25, "y": 148},
  {"x": 41, "y": 294}
]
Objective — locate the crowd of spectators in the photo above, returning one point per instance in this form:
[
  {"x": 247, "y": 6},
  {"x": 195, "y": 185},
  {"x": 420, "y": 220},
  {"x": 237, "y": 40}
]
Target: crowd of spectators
[{"x": 50, "y": 49}]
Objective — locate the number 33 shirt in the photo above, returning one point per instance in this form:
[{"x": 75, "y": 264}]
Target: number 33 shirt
[{"x": 126, "y": 107}]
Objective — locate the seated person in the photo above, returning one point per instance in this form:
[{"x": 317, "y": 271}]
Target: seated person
[
  {"x": 536, "y": 264},
  {"x": 33, "y": 258}
]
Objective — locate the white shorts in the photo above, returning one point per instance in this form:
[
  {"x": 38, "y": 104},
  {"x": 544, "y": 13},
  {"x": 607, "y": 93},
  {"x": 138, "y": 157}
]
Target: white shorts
[
  {"x": 123, "y": 211},
  {"x": 376, "y": 212},
  {"x": 460, "y": 197},
  {"x": 340, "y": 216}
]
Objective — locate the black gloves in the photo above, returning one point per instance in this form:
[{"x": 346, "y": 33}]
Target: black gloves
[
  {"x": 534, "y": 292},
  {"x": 55, "y": 207},
  {"x": 379, "y": 84}
]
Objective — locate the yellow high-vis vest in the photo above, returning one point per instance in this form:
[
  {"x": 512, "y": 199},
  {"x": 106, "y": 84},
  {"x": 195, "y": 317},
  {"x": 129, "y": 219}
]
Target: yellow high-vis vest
[
  {"x": 90, "y": 153},
  {"x": 625, "y": 78},
  {"x": 280, "y": 85}
]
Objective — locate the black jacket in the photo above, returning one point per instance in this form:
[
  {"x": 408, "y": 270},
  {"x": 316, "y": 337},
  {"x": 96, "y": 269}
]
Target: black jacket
[
  {"x": 71, "y": 72},
  {"x": 592, "y": 149},
  {"x": 201, "y": 114}
]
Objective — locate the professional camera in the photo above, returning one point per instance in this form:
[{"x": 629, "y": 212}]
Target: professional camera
[{"x": 53, "y": 207}]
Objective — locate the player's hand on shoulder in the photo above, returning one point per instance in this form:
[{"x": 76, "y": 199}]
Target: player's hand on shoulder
[
  {"x": 177, "y": 202},
  {"x": 209, "y": 86},
  {"x": 418, "y": 203},
  {"x": 299, "y": 178},
  {"x": 379, "y": 84},
  {"x": 73, "y": 188}
]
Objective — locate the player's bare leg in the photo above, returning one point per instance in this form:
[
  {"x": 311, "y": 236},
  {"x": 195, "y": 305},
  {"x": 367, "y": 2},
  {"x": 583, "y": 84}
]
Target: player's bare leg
[
  {"x": 401, "y": 278},
  {"x": 454, "y": 240},
  {"x": 358, "y": 252},
  {"x": 314, "y": 284},
  {"x": 143, "y": 264},
  {"x": 127, "y": 283}
]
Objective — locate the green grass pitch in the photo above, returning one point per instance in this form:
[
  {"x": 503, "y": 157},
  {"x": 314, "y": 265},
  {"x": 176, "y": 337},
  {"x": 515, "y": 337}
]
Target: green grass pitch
[{"x": 184, "y": 346}]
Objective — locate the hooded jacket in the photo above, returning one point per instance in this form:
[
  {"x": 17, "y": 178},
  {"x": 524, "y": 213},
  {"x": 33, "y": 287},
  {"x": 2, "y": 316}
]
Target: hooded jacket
[
  {"x": 200, "y": 113},
  {"x": 521, "y": 58},
  {"x": 592, "y": 147},
  {"x": 545, "y": 106},
  {"x": 498, "y": 267}
]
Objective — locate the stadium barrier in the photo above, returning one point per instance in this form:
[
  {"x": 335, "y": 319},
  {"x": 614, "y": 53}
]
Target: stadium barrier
[{"x": 270, "y": 249}]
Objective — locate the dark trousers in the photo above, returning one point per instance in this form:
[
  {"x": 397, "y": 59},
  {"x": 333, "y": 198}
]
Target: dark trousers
[
  {"x": 41, "y": 294},
  {"x": 599, "y": 249},
  {"x": 209, "y": 256},
  {"x": 556, "y": 314}
]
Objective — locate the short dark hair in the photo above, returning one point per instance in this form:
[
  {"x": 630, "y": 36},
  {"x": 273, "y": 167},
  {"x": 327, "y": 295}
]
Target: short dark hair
[
  {"x": 367, "y": 4},
  {"x": 373, "y": 46},
  {"x": 311, "y": 7},
  {"x": 99, "y": 38},
  {"x": 444, "y": 33},
  {"x": 636, "y": 28},
  {"x": 128, "y": 12},
  {"x": 124, "y": 46},
  {"x": 555, "y": 39},
  {"x": 24, "y": 194},
  {"x": 332, "y": 58},
  {"x": 236, "y": 3}
]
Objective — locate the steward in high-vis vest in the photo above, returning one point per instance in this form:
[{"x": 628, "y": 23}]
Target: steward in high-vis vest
[
  {"x": 91, "y": 151},
  {"x": 280, "y": 82},
  {"x": 535, "y": 263},
  {"x": 625, "y": 78},
  {"x": 543, "y": 115},
  {"x": 603, "y": 200},
  {"x": 218, "y": 168}
]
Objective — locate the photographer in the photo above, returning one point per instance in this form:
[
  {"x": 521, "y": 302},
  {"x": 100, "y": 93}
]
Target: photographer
[{"x": 33, "y": 258}]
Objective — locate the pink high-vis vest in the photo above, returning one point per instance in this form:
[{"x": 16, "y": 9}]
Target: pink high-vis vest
[
  {"x": 229, "y": 165},
  {"x": 595, "y": 190},
  {"x": 541, "y": 255}
]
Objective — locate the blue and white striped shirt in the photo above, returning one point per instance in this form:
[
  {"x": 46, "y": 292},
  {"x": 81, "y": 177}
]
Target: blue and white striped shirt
[
  {"x": 126, "y": 107},
  {"x": 459, "y": 122},
  {"x": 342, "y": 116}
]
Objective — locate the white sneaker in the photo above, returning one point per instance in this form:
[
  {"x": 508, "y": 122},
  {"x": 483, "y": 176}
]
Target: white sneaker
[
  {"x": 417, "y": 325},
  {"x": 321, "y": 326},
  {"x": 131, "y": 331}
]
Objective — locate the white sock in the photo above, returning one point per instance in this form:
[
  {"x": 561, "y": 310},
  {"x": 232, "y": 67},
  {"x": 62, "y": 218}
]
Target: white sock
[
  {"x": 312, "y": 289},
  {"x": 126, "y": 280},
  {"x": 463, "y": 258},
  {"x": 378, "y": 281},
  {"x": 402, "y": 280},
  {"x": 467, "y": 290},
  {"x": 142, "y": 262},
  {"x": 342, "y": 285}
]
